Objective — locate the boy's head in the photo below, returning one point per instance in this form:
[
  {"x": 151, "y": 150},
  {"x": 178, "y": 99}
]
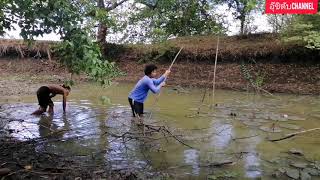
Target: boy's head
[
  {"x": 68, "y": 88},
  {"x": 151, "y": 70}
]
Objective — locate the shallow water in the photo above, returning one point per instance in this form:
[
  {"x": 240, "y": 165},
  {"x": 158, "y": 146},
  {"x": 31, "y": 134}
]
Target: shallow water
[{"x": 94, "y": 115}]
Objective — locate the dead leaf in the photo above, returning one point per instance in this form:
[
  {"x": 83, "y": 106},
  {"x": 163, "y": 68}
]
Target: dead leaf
[{"x": 28, "y": 167}]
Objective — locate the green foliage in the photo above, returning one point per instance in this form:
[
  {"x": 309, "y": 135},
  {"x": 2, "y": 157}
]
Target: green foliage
[
  {"x": 80, "y": 54},
  {"x": 77, "y": 52},
  {"x": 260, "y": 77},
  {"x": 177, "y": 18},
  {"x": 256, "y": 81},
  {"x": 69, "y": 82},
  {"x": 241, "y": 7},
  {"x": 305, "y": 30},
  {"x": 279, "y": 22},
  {"x": 4, "y": 21},
  {"x": 38, "y": 17},
  {"x": 105, "y": 100}
]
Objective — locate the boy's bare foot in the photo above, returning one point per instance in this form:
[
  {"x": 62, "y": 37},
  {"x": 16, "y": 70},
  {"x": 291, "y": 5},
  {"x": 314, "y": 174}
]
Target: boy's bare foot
[{"x": 38, "y": 112}]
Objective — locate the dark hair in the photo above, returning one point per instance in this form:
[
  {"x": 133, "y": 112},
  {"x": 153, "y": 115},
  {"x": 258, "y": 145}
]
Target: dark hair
[
  {"x": 149, "y": 68},
  {"x": 66, "y": 87}
]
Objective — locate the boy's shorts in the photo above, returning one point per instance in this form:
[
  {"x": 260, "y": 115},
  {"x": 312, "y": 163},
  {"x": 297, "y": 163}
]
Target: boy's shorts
[
  {"x": 136, "y": 107},
  {"x": 43, "y": 95}
]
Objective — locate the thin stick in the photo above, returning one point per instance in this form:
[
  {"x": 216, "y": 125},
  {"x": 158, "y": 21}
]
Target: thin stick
[
  {"x": 264, "y": 91},
  {"x": 214, "y": 72},
  {"x": 293, "y": 134},
  {"x": 174, "y": 60},
  {"x": 246, "y": 137},
  {"x": 203, "y": 96}
]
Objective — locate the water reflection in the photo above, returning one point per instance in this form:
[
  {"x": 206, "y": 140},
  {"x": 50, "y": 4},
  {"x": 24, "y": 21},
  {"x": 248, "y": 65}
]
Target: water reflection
[
  {"x": 252, "y": 165},
  {"x": 46, "y": 126},
  {"x": 87, "y": 124},
  {"x": 191, "y": 157},
  {"x": 221, "y": 135}
]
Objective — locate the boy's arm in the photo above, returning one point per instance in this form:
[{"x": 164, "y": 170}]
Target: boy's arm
[
  {"x": 159, "y": 80},
  {"x": 64, "y": 102},
  {"x": 153, "y": 88},
  {"x": 162, "y": 78},
  {"x": 50, "y": 110}
]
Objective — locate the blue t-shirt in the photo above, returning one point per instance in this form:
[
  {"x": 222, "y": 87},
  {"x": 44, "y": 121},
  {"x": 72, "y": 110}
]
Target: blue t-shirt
[{"x": 140, "y": 91}]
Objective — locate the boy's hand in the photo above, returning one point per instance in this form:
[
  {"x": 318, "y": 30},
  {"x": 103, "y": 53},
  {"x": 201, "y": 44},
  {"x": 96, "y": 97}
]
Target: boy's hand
[
  {"x": 166, "y": 74},
  {"x": 163, "y": 84}
]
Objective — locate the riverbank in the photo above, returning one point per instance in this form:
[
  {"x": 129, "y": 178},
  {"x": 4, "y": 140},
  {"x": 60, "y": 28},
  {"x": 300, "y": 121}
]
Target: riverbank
[{"x": 24, "y": 76}]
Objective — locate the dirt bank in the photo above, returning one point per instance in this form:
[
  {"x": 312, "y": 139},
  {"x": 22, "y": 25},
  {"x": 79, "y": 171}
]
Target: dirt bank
[
  {"x": 25, "y": 76},
  {"x": 282, "y": 78}
]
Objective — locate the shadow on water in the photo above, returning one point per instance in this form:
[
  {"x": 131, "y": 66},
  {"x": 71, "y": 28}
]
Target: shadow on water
[{"x": 108, "y": 135}]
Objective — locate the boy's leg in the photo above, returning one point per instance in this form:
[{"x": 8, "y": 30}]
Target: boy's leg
[
  {"x": 138, "y": 108},
  {"x": 39, "y": 111},
  {"x": 50, "y": 110},
  {"x": 43, "y": 100},
  {"x": 132, "y": 107}
]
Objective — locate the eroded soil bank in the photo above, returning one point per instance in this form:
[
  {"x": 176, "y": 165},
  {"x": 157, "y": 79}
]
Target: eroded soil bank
[{"x": 24, "y": 76}]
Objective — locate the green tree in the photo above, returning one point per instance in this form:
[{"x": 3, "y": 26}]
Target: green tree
[
  {"x": 242, "y": 9},
  {"x": 278, "y": 22},
  {"x": 304, "y": 29},
  {"x": 4, "y": 21},
  {"x": 165, "y": 18},
  {"x": 70, "y": 19},
  {"x": 38, "y": 17},
  {"x": 79, "y": 53},
  {"x": 102, "y": 16}
]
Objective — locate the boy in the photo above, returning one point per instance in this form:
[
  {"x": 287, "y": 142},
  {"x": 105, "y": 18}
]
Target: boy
[
  {"x": 140, "y": 92},
  {"x": 45, "y": 93}
]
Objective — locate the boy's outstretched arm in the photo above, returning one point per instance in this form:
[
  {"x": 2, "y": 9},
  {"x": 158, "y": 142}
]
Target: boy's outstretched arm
[
  {"x": 155, "y": 89},
  {"x": 162, "y": 78}
]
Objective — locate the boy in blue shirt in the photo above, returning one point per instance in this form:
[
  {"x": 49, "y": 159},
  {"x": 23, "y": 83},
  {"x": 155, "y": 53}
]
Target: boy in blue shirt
[{"x": 140, "y": 92}]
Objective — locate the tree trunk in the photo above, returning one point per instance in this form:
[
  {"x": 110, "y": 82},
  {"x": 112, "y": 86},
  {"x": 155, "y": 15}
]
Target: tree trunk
[
  {"x": 102, "y": 31},
  {"x": 242, "y": 20},
  {"x": 101, "y": 37}
]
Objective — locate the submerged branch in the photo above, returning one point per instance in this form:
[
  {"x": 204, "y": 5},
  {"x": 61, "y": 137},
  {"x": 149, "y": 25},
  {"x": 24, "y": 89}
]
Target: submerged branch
[{"x": 293, "y": 134}]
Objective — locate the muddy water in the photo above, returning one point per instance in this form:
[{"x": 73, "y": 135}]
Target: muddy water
[{"x": 95, "y": 115}]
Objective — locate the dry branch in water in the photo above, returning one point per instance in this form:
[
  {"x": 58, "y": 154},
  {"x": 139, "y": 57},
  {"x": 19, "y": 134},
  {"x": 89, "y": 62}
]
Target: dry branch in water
[{"x": 293, "y": 134}]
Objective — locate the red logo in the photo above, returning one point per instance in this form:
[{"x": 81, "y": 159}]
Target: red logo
[{"x": 291, "y": 6}]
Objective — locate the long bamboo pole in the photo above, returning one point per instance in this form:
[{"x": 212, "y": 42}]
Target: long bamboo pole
[{"x": 214, "y": 73}]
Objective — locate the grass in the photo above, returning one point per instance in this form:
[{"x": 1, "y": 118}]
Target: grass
[
  {"x": 256, "y": 47},
  {"x": 23, "y": 49}
]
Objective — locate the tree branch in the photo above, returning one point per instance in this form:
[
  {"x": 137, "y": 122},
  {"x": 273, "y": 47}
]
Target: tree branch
[
  {"x": 151, "y": 6},
  {"x": 115, "y": 5}
]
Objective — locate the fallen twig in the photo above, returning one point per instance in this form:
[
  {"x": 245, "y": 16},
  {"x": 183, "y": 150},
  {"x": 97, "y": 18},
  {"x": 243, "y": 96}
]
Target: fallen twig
[
  {"x": 46, "y": 173},
  {"x": 293, "y": 134},
  {"x": 218, "y": 164},
  {"x": 246, "y": 137}
]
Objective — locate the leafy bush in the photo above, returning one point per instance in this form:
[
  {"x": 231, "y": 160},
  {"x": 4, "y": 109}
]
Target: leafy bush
[{"x": 79, "y": 53}]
